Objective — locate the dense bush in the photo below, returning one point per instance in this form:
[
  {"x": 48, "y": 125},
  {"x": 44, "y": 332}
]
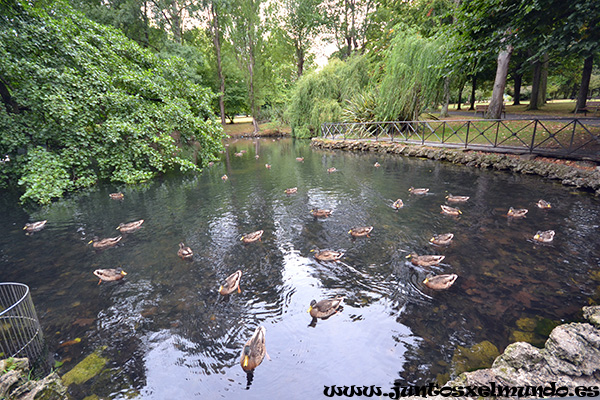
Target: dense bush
[{"x": 82, "y": 103}]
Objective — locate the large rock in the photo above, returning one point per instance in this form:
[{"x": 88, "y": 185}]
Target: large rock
[{"x": 15, "y": 383}]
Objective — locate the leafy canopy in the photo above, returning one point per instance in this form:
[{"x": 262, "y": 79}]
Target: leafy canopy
[{"x": 82, "y": 103}]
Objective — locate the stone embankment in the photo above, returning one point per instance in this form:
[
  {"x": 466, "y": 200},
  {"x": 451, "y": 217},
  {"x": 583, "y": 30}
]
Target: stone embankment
[
  {"x": 570, "y": 359},
  {"x": 583, "y": 175}
]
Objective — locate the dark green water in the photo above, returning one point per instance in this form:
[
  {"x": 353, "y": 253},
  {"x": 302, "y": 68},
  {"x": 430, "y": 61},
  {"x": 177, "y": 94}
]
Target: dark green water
[{"x": 168, "y": 334}]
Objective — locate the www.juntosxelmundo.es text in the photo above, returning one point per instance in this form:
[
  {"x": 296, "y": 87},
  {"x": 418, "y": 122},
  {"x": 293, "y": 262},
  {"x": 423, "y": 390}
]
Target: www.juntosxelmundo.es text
[{"x": 491, "y": 390}]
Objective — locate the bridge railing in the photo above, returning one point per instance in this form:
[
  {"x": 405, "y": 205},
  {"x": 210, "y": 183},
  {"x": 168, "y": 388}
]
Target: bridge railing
[{"x": 573, "y": 138}]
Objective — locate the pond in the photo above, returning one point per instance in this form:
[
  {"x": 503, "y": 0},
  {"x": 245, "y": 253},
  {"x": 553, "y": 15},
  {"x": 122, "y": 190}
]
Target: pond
[{"x": 167, "y": 333}]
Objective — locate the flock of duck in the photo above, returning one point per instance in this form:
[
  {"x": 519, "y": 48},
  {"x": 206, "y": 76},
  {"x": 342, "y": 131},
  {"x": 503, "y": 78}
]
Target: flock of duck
[{"x": 254, "y": 349}]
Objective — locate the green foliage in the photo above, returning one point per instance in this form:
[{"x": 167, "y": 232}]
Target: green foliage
[
  {"x": 320, "y": 96},
  {"x": 412, "y": 76},
  {"x": 84, "y": 103}
]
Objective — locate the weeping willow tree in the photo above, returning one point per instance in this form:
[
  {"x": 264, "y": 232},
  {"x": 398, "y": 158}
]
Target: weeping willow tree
[
  {"x": 321, "y": 96},
  {"x": 412, "y": 77}
]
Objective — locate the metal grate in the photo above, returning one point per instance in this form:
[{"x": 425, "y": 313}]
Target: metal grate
[{"x": 20, "y": 331}]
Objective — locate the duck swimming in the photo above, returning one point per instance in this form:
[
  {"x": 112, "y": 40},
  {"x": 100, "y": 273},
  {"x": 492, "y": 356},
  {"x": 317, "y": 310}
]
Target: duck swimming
[
  {"x": 328, "y": 255},
  {"x": 291, "y": 190},
  {"x": 252, "y": 237},
  {"x": 517, "y": 212},
  {"x": 425, "y": 261},
  {"x": 443, "y": 240},
  {"x": 543, "y": 204},
  {"x": 116, "y": 196},
  {"x": 130, "y": 226},
  {"x": 361, "y": 231},
  {"x": 325, "y": 308},
  {"x": 254, "y": 350},
  {"x": 544, "y": 237},
  {"x": 109, "y": 275},
  {"x": 105, "y": 243},
  {"x": 419, "y": 191},
  {"x": 35, "y": 226},
  {"x": 185, "y": 252},
  {"x": 320, "y": 213},
  {"x": 440, "y": 282},
  {"x": 398, "y": 204},
  {"x": 231, "y": 284},
  {"x": 450, "y": 210},
  {"x": 332, "y": 169},
  {"x": 456, "y": 199}
]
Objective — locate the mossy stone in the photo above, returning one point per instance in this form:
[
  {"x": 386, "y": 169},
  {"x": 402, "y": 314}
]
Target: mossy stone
[
  {"x": 480, "y": 355},
  {"x": 88, "y": 368},
  {"x": 526, "y": 324}
]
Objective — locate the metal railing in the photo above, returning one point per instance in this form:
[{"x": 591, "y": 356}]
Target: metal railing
[
  {"x": 551, "y": 137},
  {"x": 20, "y": 331}
]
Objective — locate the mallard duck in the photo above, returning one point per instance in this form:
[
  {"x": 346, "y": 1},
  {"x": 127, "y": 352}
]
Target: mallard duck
[
  {"x": 456, "y": 199},
  {"x": 291, "y": 190},
  {"x": 256, "y": 156},
  {"x": 254, "y": 350},
  {"x": 517, "y": 212},
  {"x": 268, "y": 166},
  {"x": 319, "y": 213},
  {"x": 376, "y": 165},
  {"x": 116, "y": 196},
  {"x": 130, "y": 226},
  {"x": 543, "y": 204},
  {"x": 398, "y": 204},
  {"x": 361, "y": 231},
  {"x": 300, "y": 159},
  {"x": 425, "y": 261},
  {"x": 450, "y": 210},
  {"x": 252, "y": 237},
  {"x": 35, "y": 226},
  {"x": 105, "y": 243},
  {"x": 109, "y": 275},
  {"x": 412, "y": 190},
  {"x": 443, "y": 240},
  {"x": 185, "y": 252},
  {"x": 224, "y": 177},
  {"x": 231, "y": 284},
  {"x": 332, "y": 169},
  {"x": 328, "y": 255},
  {"x": 544, "y": 237},
  {"x": 238, "y": 154},
  {"x": 325, "y": 308},
  {"x": 440, "y": 282}
]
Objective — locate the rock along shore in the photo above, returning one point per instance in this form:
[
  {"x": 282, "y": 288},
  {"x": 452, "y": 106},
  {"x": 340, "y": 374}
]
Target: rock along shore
[{"x": 571, "y": 173}]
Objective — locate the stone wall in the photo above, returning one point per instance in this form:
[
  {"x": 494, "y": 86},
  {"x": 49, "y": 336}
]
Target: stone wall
[{"x": 568, "y": 172}]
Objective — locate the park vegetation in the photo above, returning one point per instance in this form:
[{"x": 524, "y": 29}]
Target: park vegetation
[{"x": 125, "y": 90}]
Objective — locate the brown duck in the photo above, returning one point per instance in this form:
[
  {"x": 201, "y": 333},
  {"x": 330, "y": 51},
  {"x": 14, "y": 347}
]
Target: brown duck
[
  {"x": 440, "y": 282},
  {"x": 185, "y": 252},
  {"x": 543, "y": 204},
  {"x": 116, "y": 196},
  {"x": 544, "y": 237},
  {"x": 291, "y": 190},
  {"x": 254, "y": 350},
  {"x": 456, "y": 199},
  {"x": 35, "y": 226},
  {"x": 231, "y": 284},
  {"x": 252, "y": 237},
  {"x": 320, "y": 213},
  {"x": 398, "y": 204},
  {"x": 325, "y": 308},
  {"x": 109, "y": 275},
  {"x": 328, "y": 255},
  {"x": 442, "y": 240},
  {"x": 361, "y": 231},
  {"x": 419, "y": 191},
  {"x": 105, "y": 243},
  {"x": 425, "y": 261},
  {"x": 130, "y": 226},
  {"x": 517, "y": 212}
]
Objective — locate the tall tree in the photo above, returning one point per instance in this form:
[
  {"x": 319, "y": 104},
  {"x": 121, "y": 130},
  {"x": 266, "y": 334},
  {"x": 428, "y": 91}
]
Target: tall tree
[
  {"x": 215, "y": 21},
  {"x": 245, "y": 31}
]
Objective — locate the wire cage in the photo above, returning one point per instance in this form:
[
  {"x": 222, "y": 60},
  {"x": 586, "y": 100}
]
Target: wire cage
[{"x": 20, "y": 331}]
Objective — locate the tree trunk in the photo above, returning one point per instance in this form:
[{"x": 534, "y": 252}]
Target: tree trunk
[
  {"x": 495, "y": 108},
  {"x": 518, "y": 80},
  {"x": 460, "y": 91},
  {"x": 586, "y": 74},
  {"x": 541, "y": 100},
  {"x": 251, "y": 90},
  {"x": 299, "y": 58},
  {"x": 446, "y": 101},
  {"x": 175, "y": 22},
  {"x": 217, "y": 42},
  {"x": 145, "y": 18},
  {"x": 473, "y": 87},
  {"x": 7, "y": 99},
  {"x": 535, "y": 86}
]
